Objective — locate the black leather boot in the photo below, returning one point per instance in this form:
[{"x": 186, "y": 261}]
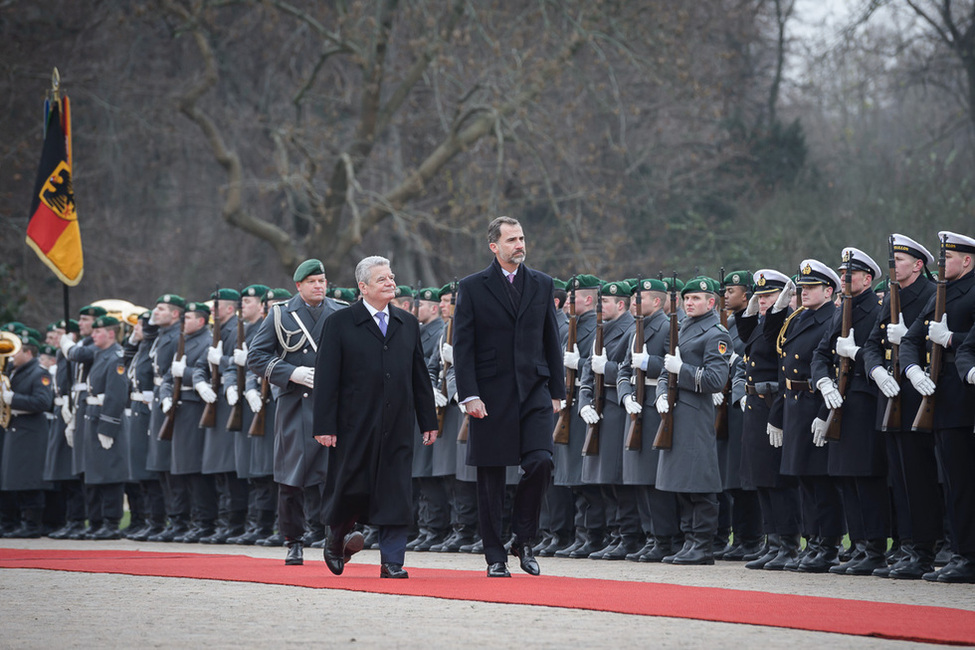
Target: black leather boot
[
  {"x": 874, "y": 558},
  {"x": 595, "y": 541},
  {"x": 788, "y": 551},
  {"x": 823, "y": 558},
  {"x": 581, "y": 538},
  {"x": 920, "y": 561},
  {"x": 772, "y": 545},
  {"x": 700, "y": 552},
  {"x": 295, "y": 555},
  {"x": 859, "y": 548}
]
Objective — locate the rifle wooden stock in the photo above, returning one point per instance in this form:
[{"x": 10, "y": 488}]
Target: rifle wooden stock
[
  {"x": 892, "y": 412},
  {"x": 721, "y": 411},
  {"x": 924, "y": 420},
  {"x": 665, "y": 432},
  {"x": 444, "y": 366},
  {"x": 464, "y": 428},
  {"x": 634, "y": 434},
  {"x": 259, "y": 422},
  {"x": 166, "y": 430},
  {"x": 209, "y": 418},
  {"x": 235, "y": 421},
  {"x": 560, "y": 435},
  {"x": 590, "y": 447},
  {"x": 834, "y": 421}
]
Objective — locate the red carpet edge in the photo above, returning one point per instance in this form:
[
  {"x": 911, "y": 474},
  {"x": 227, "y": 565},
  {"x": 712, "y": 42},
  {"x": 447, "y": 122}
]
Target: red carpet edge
[{"x": 920, "y": 623}]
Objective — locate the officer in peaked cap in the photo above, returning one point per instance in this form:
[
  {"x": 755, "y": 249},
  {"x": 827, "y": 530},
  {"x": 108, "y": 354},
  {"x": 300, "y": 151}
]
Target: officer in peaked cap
[
  {"x": 858, "y": 459},
  {"x": 912, "y": 464}
]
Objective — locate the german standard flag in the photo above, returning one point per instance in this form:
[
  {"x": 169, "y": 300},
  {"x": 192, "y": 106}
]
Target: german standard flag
[{"x": 53, "y": 230}]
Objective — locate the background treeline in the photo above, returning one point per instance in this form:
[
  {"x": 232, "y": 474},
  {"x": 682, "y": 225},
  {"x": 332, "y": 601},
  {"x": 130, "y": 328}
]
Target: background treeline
[{"x": 226, "y": 140}]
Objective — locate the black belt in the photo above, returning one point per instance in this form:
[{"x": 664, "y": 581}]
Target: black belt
[{"x": 800, "y": 386}]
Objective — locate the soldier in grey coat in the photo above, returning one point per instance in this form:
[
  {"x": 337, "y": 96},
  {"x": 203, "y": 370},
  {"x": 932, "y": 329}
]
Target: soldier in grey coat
[{"x": 690, "y": 468}]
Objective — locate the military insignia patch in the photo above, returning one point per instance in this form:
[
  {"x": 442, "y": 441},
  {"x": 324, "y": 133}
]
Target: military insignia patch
[
  {"x": 761, "y": 280},
  {"x": 646, "y": 285},
  {"x": 120, "y": 369},
  {"x": 704, "y": 285},
  {"x": 807, "y": 269},
  {"x": 612, "y": 288},
  {"x": 46, "y": 381},
  {"x": 846, "y": 256},
  {"x": 736, "y": 278},
  {"x": 399, "y": 292},
  {"x": 722, "y": 347}
]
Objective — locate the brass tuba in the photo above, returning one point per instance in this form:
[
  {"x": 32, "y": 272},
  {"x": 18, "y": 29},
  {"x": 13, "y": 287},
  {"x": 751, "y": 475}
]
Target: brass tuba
[{"x": 9, "y": 346}]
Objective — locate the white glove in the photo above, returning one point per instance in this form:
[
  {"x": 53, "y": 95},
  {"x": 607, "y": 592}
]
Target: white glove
[
  {"x": 447, "y": 353},
  {"x": 179, "y": 366},
  {"x": 561, "y": 402},
  {"x": 152, "y": 317},
  {"x": 672, "y": 362},
  {"x": 203, "y": 390},
  {"x": 662, "y": 405},
  {"x": 774, "y": 436},
  {"x": 717, "y": 398},
  {"x": 147, "y": 396},
  {"x": 304, "y": 375},
  {"x": 215, "y": 353},
  {"x": 439, "y": 399},
  {"x": 896, "y": 332},
  {"x": 734, "y": 357},
  {"x": 69, "y": 435},
  {"x": 938, "y": 331},
  {"x": 971, "y": 376},
  {"x": 846, "y": 346},
  {"x": 462, "y": 407},
  {"x": 253, "y": 397},
  {"x": 921, "y": 380},
  {"x": 106, "y": 441},
  {"x": 744, "y": 403},
  {"x": 7, "y": 395},
  {"x": 819, "y": 432},
  {"x": 66, "y": 413},
  {"x": 588, "y": 414},
  {"x": 640, "y": 360},
  {"x": 240, "y": 356},
  {"x": 167, "y": 404},
  {"x": 752, "y": 308},
  {"x": 887, "y": 384},
  {"x": 66, "y": 343},
  {"x": 53, "y": 370},
  {"x": 598, "y": 363},
  {"x": 784, "y": 298},
  {"x": 830, "y": 395},
  {"x": 632, "y": 406},
  {"x": 232, "y": 395},
  {"x": 571, "y": 358}
]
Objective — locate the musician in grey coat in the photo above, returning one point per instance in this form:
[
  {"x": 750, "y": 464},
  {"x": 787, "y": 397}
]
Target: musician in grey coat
[{"x": 701, "y": 364}]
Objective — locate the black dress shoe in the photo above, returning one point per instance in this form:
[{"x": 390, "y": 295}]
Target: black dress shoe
[
  {"x": 959, "y": 570},
  {"x": 334, "y": 561},
  {"x": 526, "y": 556},
  {"x": 295, "y": 555},
  {"x": 354, "y": 542},
  {"x": 389, "y": 570},
  {"x": 277, "y": 539},
  {"x": 498, "y": 570}
]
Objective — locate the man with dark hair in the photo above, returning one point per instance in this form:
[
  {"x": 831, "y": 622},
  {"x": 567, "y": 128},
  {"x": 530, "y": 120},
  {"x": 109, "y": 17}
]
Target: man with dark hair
[{"x": 509, "y": 377}]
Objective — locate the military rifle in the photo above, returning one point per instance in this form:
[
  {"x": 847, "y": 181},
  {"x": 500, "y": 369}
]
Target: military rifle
[
  {"x": 834, "y": 421},
  {"x": 166, "y": 430},
  {"x": 924, "y": 420},
  {"x": 259, "y": 422},
  {"x": 561, "y": 434},
  {"x": 721, "y": 411},
  {"x": 209, "y": 418},
  {"x": 634, "y": 435},
  {"x": 416, "y": 300},
  {"x": 892, "y": 412},
  {"x": 590, "y": 447},
  {"x": 444, "y": 366},
  {"x": 665, "y": 432},
  {"x": 235, "y": 421}
]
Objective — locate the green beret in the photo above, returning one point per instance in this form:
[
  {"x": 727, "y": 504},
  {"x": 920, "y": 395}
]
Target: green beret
[
  {"x": 632, "y": 282},
  {"x": 93, "y": 311},
  {"x": 14, "y": 326},
  {"x": 257, "y": 291},
  {"x": 584, "y": 282},
  {"x": 404, "y": 291},
  {"x": 53, "y": 326},
  {"x": 447, "y": 289},
  {"x": 49, "y": 350},
  {"x": 560, "y": 284},
  {"x": 71, "y": 326},
  {"x": 105, "y": 321},
  {"x": 172, "y": 299},
  {"x": 620, "y": 289},
  {"x": 679, "y": 285},
  {"x": 277, "y": 294},
  {"x": 226, "y": 294},
  {"x": 34, "y": 333},
  {"x": 430, "y": 294},
  {"x": 27, "y": 339},
  {"x": 199, "y": 307},
  {"x": 652, "y": 284},
  {"x": 699, "y": 284},
  {"x": 22, "y": 331},
  {"x": 309, "y": 267},
  {"x": 882, "y": 286},
  {"x": 343, "y": 294},
  {"x": 739, "y": 279}
]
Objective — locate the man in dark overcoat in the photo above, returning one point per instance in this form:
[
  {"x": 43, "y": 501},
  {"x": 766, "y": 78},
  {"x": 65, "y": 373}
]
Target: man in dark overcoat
[
  {"x": 509, "y": 377},
  {"x": 372, "y": 390}
]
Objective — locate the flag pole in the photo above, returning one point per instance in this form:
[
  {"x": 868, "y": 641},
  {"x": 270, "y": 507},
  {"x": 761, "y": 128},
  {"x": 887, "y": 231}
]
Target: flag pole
[{"x": 56, "y": 99}]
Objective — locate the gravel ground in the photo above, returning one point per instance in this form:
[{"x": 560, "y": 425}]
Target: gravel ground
[{"x": 74, "y": 610}]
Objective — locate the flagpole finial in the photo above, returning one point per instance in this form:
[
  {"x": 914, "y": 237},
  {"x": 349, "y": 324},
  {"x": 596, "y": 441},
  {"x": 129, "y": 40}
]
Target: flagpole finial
[{"x": 56, "y": 84}]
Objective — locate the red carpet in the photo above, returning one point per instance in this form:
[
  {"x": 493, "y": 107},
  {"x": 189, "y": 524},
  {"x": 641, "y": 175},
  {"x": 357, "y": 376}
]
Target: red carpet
[{"x": 857, "y": 617}]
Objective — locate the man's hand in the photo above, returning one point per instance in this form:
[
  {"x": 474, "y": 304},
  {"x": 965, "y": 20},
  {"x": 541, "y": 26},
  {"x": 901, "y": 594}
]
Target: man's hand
[
  {"x": 632, "y": 406},
  {"x": 752, "y": 308},
  {"x": 304, "y": 375},
  {"x": 557, "y": 405},
  {"x": 447, "y": 353},
  {"x": 215, "y": 353},
  {"x": 179, "y": 366},
  {"x": 429, "y": 437},
  {"x": 640, "y": 360},
  {"x": 774, "y": 436},
  {"x": 920, "y": 380},
  {"x": 240, "y": 356},
  {"x": 327, "y": 441},
  {"x": 846, "y": 346},
  {"x": 66, "y": 343},
  {"x": 784, "y": 298},
  {"x": 7, "y": 395},
  {"x": 887, "y": 384},
  {"x": 896, "y": 332},
  {"x": 167, "y": 404},
  {"x": 253, "y": 397},
  {"x": 205, "y": 392},
  {"x": 588, "y": 414},
  {"x": 476, "y": 409},
  {"x": 744, "y": 403},
  {"x": 439, "y": 399},
  {"x": 661, "y": 405},
  {"x": 717, "y": 399},
  {"x": 673, "y": 362},
  {"x": 818, "y": 429},
  {"x": 938, "y": 331},
  {"x": 598, "y": 363},
  {"x": 829, "y": 392},
  {"x": 571, "y": 358},
  {"x": 69, "y": 436},
  {"x": 232, "y": 395},
  {"x": 970, "y": 378},
  {"x": 105, "y": 441}
]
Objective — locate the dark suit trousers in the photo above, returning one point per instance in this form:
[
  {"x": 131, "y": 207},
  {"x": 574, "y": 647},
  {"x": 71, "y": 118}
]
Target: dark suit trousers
[{"x": 537, "y": 466}]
